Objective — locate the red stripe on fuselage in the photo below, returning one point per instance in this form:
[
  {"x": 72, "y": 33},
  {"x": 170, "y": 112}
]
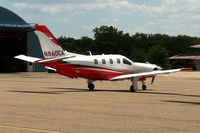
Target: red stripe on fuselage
[{"x": 88, "y": 72}]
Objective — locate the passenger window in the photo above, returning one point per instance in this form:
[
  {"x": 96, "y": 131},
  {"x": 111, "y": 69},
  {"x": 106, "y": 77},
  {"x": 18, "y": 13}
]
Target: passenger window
[
  {"x": 95, "y": 61},
  {"x": 103, "y": 61},
  {"x": 125, "y": 61},
  {"x": 111, "y": 61},
  {"x": 118, "y": 60}
]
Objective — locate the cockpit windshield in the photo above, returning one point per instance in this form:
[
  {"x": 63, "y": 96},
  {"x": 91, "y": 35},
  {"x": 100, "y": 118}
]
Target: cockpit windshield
[{"x": 127, "y": 62}]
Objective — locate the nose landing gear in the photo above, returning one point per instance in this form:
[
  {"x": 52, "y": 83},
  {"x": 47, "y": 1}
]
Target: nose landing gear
[
  {"x": 144, "y": 87},
  {"x": 134, "y": 86}
]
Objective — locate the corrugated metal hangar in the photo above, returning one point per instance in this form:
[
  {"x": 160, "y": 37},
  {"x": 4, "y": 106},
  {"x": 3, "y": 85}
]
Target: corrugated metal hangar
[{"x": 17, "y": 37}]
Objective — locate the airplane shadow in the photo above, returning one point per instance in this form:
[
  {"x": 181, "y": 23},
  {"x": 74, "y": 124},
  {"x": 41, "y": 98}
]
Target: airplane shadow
[
  {"x": 165, "y": 93},
  {"x": 65, "y": 90},
  {"x": 185, "y": 102},
  {"x": 85, "y": 90},
  {"x": 56, "y": 90},
  {"x": 37, "y": 92}
]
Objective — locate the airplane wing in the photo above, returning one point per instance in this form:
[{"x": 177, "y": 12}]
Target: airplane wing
[{"x": 152, "y": 73}]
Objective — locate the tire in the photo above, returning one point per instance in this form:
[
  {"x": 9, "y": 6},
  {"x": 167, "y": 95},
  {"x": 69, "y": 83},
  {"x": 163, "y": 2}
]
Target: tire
[
  {"x": 132, "y": 88},
  {"x": 91, "y": 87},
  {"x": 144, "y": 87}
]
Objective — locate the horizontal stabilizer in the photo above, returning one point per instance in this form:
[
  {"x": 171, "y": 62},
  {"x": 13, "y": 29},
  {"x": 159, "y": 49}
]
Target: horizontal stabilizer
[
  {"x": 27, "y": 58},
  {"x": 55, "y": 59}
]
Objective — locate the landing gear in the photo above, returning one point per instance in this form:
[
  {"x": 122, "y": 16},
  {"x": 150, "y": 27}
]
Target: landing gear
[
  {"x": 132, "y": 88},
  {"x": 91, "y": 86},
  {"x": 144, "y": 87}
]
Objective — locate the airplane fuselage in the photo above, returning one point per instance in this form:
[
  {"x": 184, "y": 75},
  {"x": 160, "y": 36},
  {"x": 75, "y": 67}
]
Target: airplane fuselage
[{"x": 100, "y": 67}]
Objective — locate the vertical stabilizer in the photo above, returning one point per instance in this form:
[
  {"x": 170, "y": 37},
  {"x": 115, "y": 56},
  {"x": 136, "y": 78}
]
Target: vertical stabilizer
[{"x": 49, "y": 45}]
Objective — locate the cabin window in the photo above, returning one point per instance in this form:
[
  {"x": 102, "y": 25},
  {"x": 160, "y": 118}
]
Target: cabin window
[
  {"x": 103, "y": 61},
  {"x": 118, "y": 60},
  {"x": 95, "y": 61},
  {"x": 125, "y": 61},
  {"x": 111, "y": 61}
]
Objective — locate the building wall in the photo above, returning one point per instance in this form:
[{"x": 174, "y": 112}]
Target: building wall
[{"x": 11, "y": 23}]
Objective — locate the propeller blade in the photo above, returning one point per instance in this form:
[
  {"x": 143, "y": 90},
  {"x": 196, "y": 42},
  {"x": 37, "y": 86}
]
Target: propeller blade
[{"x": 153, "y": 78}]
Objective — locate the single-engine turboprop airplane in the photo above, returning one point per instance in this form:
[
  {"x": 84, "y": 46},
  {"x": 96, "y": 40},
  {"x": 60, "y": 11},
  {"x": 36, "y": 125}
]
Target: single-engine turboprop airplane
[{"x": 92, "y": 67}]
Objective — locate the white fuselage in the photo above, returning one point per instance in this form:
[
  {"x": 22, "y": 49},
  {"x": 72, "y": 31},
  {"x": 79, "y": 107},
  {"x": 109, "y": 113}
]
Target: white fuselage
[{"x": 115, "y": 62}]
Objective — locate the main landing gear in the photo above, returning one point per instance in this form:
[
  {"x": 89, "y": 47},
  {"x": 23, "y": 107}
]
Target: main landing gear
[
  {"x": 90, "y": 85},
  {"x": 132, "y": 88}
]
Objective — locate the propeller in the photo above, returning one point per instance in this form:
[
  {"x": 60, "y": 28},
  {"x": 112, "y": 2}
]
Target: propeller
[{"x": 153, "y": 78}]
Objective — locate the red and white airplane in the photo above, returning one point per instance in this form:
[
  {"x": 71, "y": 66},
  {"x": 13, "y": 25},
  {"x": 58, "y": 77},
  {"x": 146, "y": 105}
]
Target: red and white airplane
[{"x": 111, "y": 67}]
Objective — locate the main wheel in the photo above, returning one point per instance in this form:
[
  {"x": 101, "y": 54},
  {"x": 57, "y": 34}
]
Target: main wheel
[
  {"x": 144, "y": 87},
  {"x": 132, "y": 88},
  {"x": 91, "y": 86}
]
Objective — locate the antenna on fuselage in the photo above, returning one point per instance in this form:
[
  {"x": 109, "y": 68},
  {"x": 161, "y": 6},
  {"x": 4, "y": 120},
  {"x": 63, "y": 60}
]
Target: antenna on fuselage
[{"x": 90, "y": 53}]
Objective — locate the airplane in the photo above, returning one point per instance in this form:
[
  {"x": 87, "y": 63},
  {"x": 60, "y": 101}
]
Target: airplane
[
  {"x": 196, "y": 59},
  {"x": 111, "y": 67}
]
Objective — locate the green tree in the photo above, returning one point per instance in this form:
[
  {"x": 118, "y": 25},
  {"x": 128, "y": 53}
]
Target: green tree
[{"x": 159, "y": 56}]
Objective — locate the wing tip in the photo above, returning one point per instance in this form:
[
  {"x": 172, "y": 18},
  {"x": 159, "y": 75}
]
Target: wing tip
[{"x": 186, "y": 69}]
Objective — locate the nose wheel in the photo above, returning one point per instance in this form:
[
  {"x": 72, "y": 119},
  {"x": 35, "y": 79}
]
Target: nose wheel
[{"x": 144, "y": 87}]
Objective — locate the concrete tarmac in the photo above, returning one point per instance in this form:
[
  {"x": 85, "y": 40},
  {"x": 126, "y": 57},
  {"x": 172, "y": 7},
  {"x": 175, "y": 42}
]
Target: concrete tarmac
[{"x": 52, "y": 103}]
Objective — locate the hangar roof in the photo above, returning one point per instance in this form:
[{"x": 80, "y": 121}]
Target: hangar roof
[
  {"x": 9, "y": 17},
  {"x": 11, "y": 21}
]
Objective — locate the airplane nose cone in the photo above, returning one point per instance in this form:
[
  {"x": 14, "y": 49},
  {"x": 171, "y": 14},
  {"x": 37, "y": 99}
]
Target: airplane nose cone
[{"x": 159, "y": 68}]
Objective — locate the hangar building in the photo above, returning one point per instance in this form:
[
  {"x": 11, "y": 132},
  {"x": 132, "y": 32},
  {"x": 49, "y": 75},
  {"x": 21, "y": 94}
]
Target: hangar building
[{"x": 17, "y": 37}]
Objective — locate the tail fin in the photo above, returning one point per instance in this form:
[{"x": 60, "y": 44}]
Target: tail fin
[{"x": 50, "y": 46}]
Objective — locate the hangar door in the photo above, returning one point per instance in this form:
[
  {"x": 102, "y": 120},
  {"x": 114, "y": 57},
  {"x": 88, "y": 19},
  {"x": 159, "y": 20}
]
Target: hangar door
[{"x": 12, "y": 43}]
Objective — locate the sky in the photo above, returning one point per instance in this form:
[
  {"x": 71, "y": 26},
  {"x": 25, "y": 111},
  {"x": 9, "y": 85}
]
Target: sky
[{"x": 77, "y": 18}]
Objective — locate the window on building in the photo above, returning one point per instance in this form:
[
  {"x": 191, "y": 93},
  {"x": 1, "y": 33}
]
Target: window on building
[
  {"x": 103, "y": 61},
  {"x": 95, "y": 61},
  {"x": 111, "y": 61},
  {"x": 125, "y": 61},
  {"x": 118, "y": 60}
]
